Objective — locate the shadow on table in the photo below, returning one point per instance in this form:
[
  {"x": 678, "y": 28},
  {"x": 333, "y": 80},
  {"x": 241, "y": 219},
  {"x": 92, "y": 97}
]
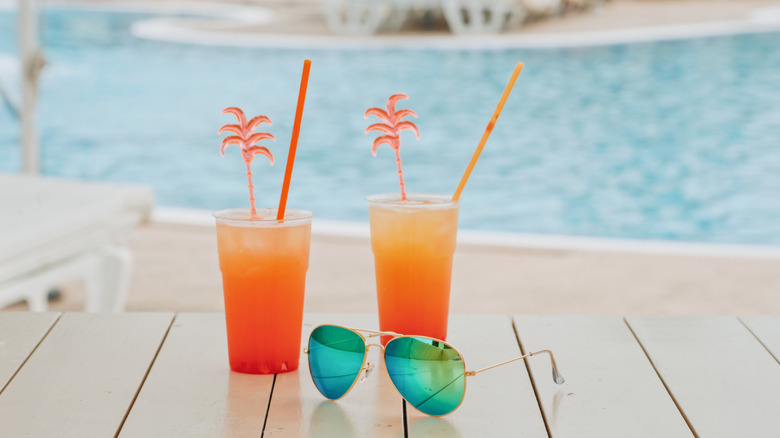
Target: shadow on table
[
  {"x": 433, "y": 427},
  {"x": 328, "y": 420}
]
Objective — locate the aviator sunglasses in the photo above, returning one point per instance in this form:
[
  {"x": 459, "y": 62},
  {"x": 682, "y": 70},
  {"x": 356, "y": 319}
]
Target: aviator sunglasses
[{"x": 428, "y": 373}]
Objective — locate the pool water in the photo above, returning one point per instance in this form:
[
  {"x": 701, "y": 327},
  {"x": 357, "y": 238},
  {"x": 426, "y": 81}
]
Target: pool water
[{"x": 675, "y": 140}]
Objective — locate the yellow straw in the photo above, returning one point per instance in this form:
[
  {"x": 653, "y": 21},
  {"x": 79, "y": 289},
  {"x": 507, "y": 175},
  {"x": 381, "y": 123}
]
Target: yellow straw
[{"x": 488, "y": 130}]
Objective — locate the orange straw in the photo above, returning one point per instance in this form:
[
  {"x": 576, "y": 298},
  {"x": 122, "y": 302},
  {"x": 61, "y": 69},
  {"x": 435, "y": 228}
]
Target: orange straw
[
  {"x": 488, "y": 130},
  {"x": 294, "y": 141}
]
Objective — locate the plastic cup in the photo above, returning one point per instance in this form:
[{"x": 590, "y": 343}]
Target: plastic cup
[
  {"x": 263, "y": 263},
  {"x": 413, "y": 243}
]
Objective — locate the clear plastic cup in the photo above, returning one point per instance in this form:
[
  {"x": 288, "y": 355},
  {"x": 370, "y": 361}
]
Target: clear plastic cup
[
  {"x": 413, "y": 243},
  {"x": 263, "y": 263}
]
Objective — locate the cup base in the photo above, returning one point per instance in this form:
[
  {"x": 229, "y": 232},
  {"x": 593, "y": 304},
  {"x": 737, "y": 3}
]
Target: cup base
[{"x": 245, "y": 368}]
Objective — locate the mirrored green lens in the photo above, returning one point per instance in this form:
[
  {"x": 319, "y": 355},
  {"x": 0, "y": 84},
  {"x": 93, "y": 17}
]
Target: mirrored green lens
[
  {"x": 336, "y": 356},
  {"x": 429, "y": 374}
]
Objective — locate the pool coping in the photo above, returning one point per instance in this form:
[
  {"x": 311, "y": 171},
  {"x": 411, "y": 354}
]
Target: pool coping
[{"x": 518, "y": 241}]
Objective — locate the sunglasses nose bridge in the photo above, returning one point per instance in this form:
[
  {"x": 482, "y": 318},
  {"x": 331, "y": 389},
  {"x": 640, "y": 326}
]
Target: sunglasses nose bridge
[{"x": 381, "y": 347}]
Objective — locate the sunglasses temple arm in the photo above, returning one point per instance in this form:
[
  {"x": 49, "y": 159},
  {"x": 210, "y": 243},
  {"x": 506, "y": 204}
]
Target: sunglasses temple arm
[{"x": 557, "y": 377}]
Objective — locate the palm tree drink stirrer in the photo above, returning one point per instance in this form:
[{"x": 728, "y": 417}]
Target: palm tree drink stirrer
[
  {"x": 392, "y": 126},
  {"x": 246, "y": 140}
]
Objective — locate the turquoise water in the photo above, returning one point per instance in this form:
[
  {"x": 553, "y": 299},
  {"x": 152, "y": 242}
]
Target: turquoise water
[{"x": 671, "y": 140}]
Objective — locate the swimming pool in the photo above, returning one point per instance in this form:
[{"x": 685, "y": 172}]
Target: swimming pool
[{"x": 675, "y": 140}]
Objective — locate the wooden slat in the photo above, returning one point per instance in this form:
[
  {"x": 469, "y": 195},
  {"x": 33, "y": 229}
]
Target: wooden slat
[
  {"x": 191, "y": 392},
  {"x": 20, "y": 333},
  {"x": 611, "y": 388},
  {"x": 723, "y": 379},
  {"x": 83, "y": 376},
  {"x": 497, "y": 402},
  {"x": 372, "y": 409},
  {"x": 767, "y": 330}
]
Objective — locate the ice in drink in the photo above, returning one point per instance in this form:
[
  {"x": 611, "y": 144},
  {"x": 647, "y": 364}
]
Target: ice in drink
[
  {"x": 413, "y": 243},
  {"x": 263, "y": 263}
]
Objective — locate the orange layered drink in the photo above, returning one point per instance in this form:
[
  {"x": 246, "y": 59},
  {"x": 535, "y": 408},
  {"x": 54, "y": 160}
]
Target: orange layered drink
[
  {"x": 413, "y": 243},
  {"x": 263, "y": 263}
]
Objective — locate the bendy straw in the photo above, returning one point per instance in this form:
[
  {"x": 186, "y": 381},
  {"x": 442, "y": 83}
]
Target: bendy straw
[
  {"x": 294, "y": 141},
  {"x": 488, "y": 130}
]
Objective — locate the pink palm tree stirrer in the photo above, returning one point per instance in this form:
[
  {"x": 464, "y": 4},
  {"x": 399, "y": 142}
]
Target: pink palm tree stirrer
[
  {"x": 392, "y": 126},
  {"x": 246, "y": 140}
]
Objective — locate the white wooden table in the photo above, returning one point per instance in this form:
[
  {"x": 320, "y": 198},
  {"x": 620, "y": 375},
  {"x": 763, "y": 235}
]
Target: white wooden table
[{"x": 166, "y": 375}]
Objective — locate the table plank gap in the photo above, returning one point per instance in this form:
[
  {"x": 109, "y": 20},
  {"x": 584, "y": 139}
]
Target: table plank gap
[
  {"x": 725, "y": 381},
  {"x": 600, "y": 360},
  {"x": 497, "y": 402},
  {"x": 661, "y": 378},
  {"x": 191, "y": 391},
  {"x": 766, "y": 329},
  {"x": 372, "y": 408},
  {"x": 268, "y": 407},
  {"x": 533, "y": 381},
  {"x": 20, "y": 335},
  {"x": 146, "y": 375},
  {"x": 406, "y": 420},
  {"x": 83, "y": 375}
]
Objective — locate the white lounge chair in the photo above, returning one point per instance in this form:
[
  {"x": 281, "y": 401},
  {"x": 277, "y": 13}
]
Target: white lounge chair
[
  {"x": 52, "y": 231},
  {"x": 366, "y": 17},
  {"x": 581, "y": 5},
  {"x": 543, "y": 8},
  {"x": 481, "y": 16},
  {"x": 357, "y": 17}
]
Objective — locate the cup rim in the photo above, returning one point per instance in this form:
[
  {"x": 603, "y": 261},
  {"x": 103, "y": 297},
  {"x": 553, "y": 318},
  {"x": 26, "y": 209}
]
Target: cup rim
[
  {"x": 241, "y": 216},
  {"x": 392, "y": 200}
]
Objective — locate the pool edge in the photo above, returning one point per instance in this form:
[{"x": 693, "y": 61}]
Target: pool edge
[{"x": 541, "y": 242}]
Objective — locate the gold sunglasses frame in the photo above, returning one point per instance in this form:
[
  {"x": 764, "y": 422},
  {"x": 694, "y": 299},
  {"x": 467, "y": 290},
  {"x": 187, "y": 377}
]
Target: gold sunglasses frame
[{"x": 557, "y": 377}]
